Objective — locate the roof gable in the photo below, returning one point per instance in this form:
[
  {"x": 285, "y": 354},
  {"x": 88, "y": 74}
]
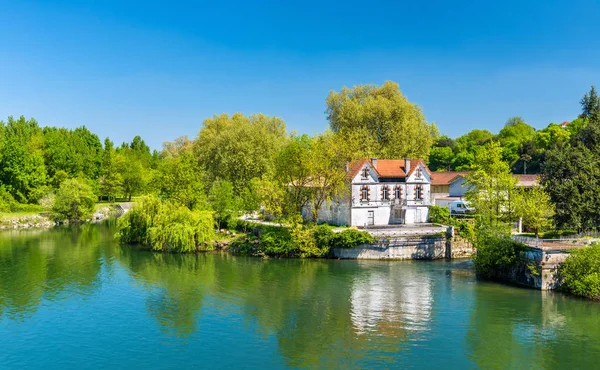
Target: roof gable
[{"x": 386, "y": 168}]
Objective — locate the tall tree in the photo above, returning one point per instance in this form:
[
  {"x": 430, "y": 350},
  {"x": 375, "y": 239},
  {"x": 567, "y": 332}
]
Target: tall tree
[
  {"x": 327, "y": 167},
  {"x": 112, "y": 180},
  {"x": 294, "y": 173},
  {"x": 491, "y": 187},
  {"x": 179, "y": 179},
  {"x": 22, "y": 168},
  {"x": 224, "y": 202},
  {"x": 572, "y": 172},
  {"x": 379, "y": 121},
  {"x": 535, "y": 208},
  {"x": 238, "y": 148}
]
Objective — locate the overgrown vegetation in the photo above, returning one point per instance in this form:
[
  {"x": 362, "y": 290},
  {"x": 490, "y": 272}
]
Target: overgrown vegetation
[
  {"x": 496, "y": 252},
  {"x": 439, "y": 215},
  {"x": 166, "y": 227},
  {"x": 299, "y": 241},
  {"x": 74, "y": 201},
  {"x": 580, "y": 273}
]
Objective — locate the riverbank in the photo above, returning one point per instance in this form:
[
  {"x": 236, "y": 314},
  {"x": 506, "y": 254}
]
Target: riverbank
[{"x": 29, "y": 220}]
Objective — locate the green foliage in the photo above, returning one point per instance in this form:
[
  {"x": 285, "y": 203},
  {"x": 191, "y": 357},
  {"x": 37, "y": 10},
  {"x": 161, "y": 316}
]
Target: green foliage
[
  {"x": 572, "y": 174},
  {"x": 496, "y": 254},
  {"x": 439, "y": 215},
  {"x": 133, "y": 226},
  {"x": 465, "y": 230},
  {"x": 224, "y": 203},
  {"x": 179, "y": 181},
  {"x": 580, "y": 272},
  {"x": 351, "y": 238},
  {"x": 304, "y": 241},
  {"x": 22, "y": 169},
  {"x": 167, "y": 227},
  {"x": 535, "y": 208},
  {"x": 440, "y": 158},
  {"x": 75, "y": 201},
  {"x": 379, "y": 121},
  {"x": 239, "y": 148},
  {"x": 178, "y": 229},
  {"x": 491, "y": 186}
]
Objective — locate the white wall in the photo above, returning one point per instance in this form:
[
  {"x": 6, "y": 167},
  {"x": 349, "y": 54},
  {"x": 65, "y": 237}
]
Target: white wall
[{"x": 458, "y": 188}]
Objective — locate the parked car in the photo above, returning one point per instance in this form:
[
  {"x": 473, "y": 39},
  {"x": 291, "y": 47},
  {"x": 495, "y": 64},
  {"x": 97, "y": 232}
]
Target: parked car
[{"x": 460, "y": 207}]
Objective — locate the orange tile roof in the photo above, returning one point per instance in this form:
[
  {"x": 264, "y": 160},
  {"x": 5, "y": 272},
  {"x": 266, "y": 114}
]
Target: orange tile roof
[
  {"x": 386, "y": 168},
  {"x": 446, "y": 177}
]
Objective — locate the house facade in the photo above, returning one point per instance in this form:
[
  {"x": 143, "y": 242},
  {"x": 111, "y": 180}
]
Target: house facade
[
  {"x": 450, "y": 186},
  {"x": 382, "y": 192}
]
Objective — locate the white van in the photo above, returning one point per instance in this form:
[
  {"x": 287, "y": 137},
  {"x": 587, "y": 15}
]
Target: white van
[{"x": 460, "y": 207}]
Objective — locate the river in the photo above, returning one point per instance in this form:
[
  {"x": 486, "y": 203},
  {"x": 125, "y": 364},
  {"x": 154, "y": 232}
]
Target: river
[{"x": 72, "y": 298}]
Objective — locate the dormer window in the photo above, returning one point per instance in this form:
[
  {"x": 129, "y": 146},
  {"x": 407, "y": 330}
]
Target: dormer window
[
  {"x": 364, "y": 194},
  {"x": 365, "y": 173}
]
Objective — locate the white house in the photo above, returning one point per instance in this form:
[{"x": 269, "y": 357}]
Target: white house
[{"x": 382, "y": 192}]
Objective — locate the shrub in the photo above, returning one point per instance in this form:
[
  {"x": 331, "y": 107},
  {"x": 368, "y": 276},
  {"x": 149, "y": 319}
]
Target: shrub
[
  {"x": 496, "y": 254},
  {"x": 439, "y": 215},
  {"x": 580, "y": 272},
  {"x": 323, "y": 236},
  {"x": 75, "y": 201},
  {"x": 351, "y": 238},
  {"x": 465, "y": 230}
]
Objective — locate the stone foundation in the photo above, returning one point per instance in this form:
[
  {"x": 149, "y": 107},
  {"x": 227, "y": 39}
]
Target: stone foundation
[
  {"x": 537, "y": 268},
  {"x": 410, "y": 248}
]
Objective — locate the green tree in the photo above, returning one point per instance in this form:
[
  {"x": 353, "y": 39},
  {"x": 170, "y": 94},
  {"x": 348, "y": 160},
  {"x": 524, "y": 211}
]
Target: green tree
[
  {"x": 111, "y": 181},
  {"x": 238, "y": 148},
  {"x": 535, "y": 208},
  {"x": 75, "y": 201},
  {"x": 572, "y": 174},
  {"x": 180, "y": 180},
  {"x": 22, "y": 168},
  {"x": 513, "y": 136},
  {"x": 294, "y": 173},
  {"x": 590, "y": 105},
  {"x": 491, "y": 186},
  {"x": 440, "y": 158},
  {"x": 223, "y": 202},
  {"x": 327, "y": 167},
  {"x": 379, "y": 121}
]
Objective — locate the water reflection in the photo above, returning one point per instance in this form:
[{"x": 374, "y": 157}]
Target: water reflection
[
  {"x": 391, "y": 301},
  {"x": 317, "y": 313},
  {"x": 37, "y": 265}
]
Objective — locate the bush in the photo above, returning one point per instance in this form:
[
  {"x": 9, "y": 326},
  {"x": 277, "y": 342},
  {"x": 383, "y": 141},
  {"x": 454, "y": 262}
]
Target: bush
[
  {"x": 351, "y": 239},
  {"x": 496, "y": 254},
  {"x": 323, "y": 236},
  {"x": 75, "y": 201},
  {"x": 439, "y": 215},
  {"x": 9, "y": 204},
  {"x": 580, "y": 272},
  {"x": 166, "y": 227},
  {"x": 465, "y": 230}
]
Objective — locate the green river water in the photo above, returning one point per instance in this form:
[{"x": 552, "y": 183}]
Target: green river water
[{"x": 72, "y": 298}]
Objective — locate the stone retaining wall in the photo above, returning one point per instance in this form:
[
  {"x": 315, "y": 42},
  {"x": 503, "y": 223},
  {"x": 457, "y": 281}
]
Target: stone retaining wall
[
  {"x": 410, "y": 248},
  {"x": 537, "y": 268}
]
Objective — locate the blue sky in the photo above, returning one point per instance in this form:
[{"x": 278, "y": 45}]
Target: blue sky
[{"x": 159, "y": 68}]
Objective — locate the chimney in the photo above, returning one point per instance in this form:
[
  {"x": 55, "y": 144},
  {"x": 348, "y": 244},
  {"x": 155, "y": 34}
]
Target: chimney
[
  {"x": 407, "y": 165},
  {"x": 374, "y": 162}
]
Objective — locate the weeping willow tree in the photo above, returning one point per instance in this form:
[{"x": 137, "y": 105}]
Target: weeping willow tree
[{"x": 166, "y": 227}]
